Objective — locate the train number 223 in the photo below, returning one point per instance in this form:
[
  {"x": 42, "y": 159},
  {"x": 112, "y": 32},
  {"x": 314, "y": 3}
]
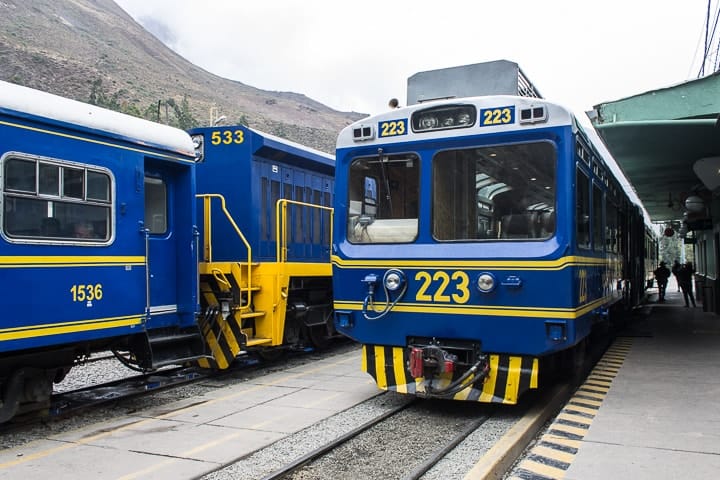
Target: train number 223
[
  {"x": 86, "y": 293},
  {"x": 443, "y": 287}
]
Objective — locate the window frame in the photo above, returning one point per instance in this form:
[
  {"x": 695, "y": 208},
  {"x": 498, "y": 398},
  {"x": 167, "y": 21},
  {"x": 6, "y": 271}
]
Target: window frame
[
  {"x": 498, "y": 186},
  {"x": 58, "y": 198}
]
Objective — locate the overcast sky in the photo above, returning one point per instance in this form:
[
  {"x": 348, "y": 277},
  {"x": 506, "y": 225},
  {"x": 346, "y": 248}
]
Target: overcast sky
[{"x": 358, "y": 55}]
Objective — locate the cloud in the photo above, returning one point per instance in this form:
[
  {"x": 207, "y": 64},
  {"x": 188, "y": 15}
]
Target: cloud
[{"x": 357, "y": 56}]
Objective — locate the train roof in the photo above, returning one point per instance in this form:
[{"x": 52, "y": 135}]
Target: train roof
[
  {"x": 280, "y": 149},
  {"x": 556, "y": 115},
  {"x": 296, "y": 149},
  {"x": 26, "y": 102}
]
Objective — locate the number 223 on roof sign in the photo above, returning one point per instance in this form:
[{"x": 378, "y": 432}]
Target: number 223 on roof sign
[
  {"x": 392, "y": 128},
  {"x": 497, "y": 116}
]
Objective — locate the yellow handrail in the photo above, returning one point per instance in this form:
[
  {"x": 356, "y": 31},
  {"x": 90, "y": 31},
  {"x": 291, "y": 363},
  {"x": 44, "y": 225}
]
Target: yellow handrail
[
  {"x": 281, "y": 225},
  {"x": 207, "y": 238}
]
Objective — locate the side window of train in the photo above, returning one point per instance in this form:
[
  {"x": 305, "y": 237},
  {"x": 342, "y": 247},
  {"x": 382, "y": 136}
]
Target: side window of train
[
  {"x": 598, "y": 242},
  {"x": 49, "y": 201},
  {"x": 582, "y": 212},
  {"x": 156, "y": 205},
  {"x": 611, "y": 225},
  {"x": 383, "y": 199}
]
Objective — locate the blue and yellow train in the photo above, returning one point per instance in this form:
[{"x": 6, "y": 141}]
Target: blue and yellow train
[
  {"x": 477, "y": 242},
  {"x": 106, "y": 245}
]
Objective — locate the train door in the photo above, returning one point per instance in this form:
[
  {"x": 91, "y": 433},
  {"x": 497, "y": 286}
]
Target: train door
[{"x": 168, "y": 232}]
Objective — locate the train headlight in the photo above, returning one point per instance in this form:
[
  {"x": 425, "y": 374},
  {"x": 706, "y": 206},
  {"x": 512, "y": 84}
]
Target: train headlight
[
  {"x": 199, "y": 143},
  {"x": 443, "y": 118},
  {"x": 394, "y": 280},
  {"x": 428, "y": 122},
  {"x": 486, "y": 282}
]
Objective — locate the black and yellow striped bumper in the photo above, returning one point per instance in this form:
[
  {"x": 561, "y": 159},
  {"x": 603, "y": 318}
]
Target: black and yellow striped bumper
[{"x": 508, "y": 378}]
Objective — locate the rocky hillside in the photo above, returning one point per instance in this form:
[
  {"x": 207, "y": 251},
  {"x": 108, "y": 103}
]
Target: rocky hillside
[{"x": 91, "y": 50}]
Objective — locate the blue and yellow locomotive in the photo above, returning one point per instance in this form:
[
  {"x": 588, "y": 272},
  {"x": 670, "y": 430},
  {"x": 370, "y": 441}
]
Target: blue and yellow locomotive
[
  {"x": 98, "y": 247},
  {"x": 266, "y": 208},
  {"x": 477, "y": 242}
]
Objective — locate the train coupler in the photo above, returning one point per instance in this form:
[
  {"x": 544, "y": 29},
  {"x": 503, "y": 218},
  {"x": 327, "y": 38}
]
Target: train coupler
[{"x": 432, "y": 358}]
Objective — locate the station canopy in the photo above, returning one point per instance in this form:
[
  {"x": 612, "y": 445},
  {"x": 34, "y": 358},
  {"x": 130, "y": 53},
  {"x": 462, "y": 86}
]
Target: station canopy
[{"x": 667, "y": 142}]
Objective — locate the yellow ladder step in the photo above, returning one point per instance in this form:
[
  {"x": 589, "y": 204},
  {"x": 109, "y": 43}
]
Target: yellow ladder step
[
  {"x": 252, "y": 314},
  {"x": 254, "y": 288},
  {"x": 258, "y": 341}
]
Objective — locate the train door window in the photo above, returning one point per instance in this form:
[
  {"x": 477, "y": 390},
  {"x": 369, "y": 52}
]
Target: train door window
[
  {"x": 383, "y": 203},
  {"x": 598, "y": 242},
  {"x": 49, "y": 200},
  {"x": 499, "y": 193},
  {"x": 582, "y": 209},
  {"x": 156, "y": 207}
]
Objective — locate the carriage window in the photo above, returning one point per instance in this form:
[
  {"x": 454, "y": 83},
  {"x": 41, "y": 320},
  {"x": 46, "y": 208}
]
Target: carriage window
[
  {"x": 73, "y": 185},
  {"x": 582, "y": 210},
  {"x": 597, "y": 218},
  {"x": 504, "y": 192},
  {"x": 20, "y": 175},
  {"x": 49, "y": 179},
  {"x": 383, "y": 203},
  {"x": 46, "y": 199},
  {"x": 156, "y": 205}
]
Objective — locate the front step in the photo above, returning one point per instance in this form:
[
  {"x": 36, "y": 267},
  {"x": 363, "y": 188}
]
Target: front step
[{"x": 174, "y": 347}]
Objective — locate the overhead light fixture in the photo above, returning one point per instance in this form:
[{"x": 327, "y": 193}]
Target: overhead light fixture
[
  {"x": 708, "y": 171},
  {"x": 694, "y": 204}
]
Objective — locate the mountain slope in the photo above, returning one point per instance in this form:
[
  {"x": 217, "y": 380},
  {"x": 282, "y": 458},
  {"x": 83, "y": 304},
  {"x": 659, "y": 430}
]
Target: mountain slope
[{"x": 84, "y": 48}]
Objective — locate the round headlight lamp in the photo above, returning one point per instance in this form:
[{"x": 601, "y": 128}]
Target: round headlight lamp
[
  {"x": 486, "y": 282},
  {"x": 428, "y": 122},
  {"x": 394, "y": 280}
]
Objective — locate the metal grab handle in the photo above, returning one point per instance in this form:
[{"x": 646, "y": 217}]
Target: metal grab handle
[{"x": 146, "y": 233}]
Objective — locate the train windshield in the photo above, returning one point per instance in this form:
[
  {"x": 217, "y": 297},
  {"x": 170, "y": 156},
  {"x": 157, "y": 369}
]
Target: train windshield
[
  {"x": 383, "y": 203},
  {"x": 498, "y": 193}
]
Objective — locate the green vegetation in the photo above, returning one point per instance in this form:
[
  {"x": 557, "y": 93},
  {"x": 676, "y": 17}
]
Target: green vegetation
[{"x": 174, "y": 114}]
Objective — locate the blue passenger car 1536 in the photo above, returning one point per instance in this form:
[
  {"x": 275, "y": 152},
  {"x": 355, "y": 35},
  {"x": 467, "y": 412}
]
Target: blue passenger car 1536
[{"x": 98, "y": 248}]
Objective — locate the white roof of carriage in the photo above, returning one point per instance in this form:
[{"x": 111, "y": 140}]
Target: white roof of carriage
[{"x": 137, "y": 130}]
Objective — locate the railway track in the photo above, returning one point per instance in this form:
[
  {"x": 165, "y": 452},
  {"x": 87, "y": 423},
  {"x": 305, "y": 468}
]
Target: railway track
[
  {"x": 75, "y": 401},
  {"x": 127, "y": 384},
  {"x": 429, "y": 449}
]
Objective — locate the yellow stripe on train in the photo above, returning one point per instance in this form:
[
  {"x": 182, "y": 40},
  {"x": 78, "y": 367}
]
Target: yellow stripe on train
[
  {"x": 493, "y": 311},
  {"x": 33, "y": 331},
  {"x": 558, "y": 264}
]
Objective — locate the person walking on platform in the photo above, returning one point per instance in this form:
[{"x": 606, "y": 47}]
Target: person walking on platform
[
  {"x": 662, "y": 273},
  {"x": 685, "y": 277},
  {"x": 675, "y": 269}
]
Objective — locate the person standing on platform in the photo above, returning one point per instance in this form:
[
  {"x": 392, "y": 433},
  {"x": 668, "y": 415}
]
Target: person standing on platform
[
  {"x": 685, "y": 278},
  {"x": 662, "y": 273},
  {"x": 675, "y": 269}
]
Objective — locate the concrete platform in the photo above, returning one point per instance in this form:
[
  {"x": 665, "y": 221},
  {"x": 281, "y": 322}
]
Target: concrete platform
[
  {"x": 196, "y": 436},
  {"x": 661, "y": 417},
  {"x": 650, "y": 409}
]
